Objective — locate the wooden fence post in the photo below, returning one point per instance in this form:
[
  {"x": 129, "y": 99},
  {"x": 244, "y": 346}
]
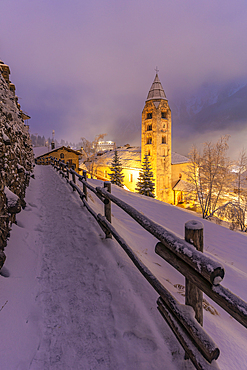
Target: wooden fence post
[
  {"x": 107, "y": 202},
  {"x": 193, "y": 295},
  {"x": 84, "y": 186},
  {"x": 67, "y": 163},
  {"x": 73, "y": 175},
  {"x": 63, "y": 168}
]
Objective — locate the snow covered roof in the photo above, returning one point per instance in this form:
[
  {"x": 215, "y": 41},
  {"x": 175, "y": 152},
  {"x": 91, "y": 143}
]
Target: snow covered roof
[
  {"x": 156, "y": 91},
  {"x": 39, "y": 151},
  {"x": 131, "y": 157},
  {"x": 179, "y": 158}
]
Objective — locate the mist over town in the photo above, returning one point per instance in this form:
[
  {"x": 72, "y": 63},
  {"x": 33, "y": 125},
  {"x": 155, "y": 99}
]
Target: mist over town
[{"x": 85, "y": 68}]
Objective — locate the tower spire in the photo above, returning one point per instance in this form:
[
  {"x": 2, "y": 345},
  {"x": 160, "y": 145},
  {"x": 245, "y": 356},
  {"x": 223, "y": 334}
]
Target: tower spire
[{"x": 156, "y": 91}]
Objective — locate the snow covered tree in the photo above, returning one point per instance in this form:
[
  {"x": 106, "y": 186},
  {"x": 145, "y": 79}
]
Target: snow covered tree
[
  {"x": 116, "y": 175},
  {"x": 90, "y": 149},
  {"x": 145, "y": 184}
]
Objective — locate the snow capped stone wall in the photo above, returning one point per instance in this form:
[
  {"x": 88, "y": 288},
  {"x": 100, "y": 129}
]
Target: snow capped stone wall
[{"x": 16, "y": 157}]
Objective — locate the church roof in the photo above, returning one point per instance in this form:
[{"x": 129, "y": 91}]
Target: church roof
[
  {"x": 131, "y": 157},
  {"x": 179, "y": 158},
  {"x": 156, "y": 91}
]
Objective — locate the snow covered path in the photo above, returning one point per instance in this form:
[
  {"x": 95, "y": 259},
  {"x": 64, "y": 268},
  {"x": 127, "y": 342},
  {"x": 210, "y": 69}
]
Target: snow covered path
[{"x": 73, "y": 300}]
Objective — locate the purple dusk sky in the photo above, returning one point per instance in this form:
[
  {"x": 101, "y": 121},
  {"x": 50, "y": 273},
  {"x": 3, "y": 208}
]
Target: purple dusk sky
[{"x": 85, "y": 67}]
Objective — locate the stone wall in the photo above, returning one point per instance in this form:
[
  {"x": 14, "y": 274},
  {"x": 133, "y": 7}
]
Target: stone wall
[{"x": 16, "y": 158}]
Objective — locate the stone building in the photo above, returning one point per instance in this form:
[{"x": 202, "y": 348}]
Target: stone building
[
  {"x": 5, "y": 71},
  {"x": 156, "y": 139},
  {"x": 16, "y": 156}
]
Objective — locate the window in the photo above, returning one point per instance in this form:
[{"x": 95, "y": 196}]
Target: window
[
  {"x": 149, "y": 140},
  {"x": 163, "y": 115},
  {"x": 149, "y": 127},
  {"x": 131, "y": 177},
  {"x": 163, "y": 139},
  {"x": 149, "y": 115},
  {"x": 148, "y": 153},
  {"x": 62, "y": 155}
]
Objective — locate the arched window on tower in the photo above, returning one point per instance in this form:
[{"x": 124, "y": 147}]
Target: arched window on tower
[
  {"x": 164, "y": 115},
  {"x": 149, "y": 140},
  {"x": 164, "y": 139},
  {"x": 149, "y": 127},
  {"x": 149, "y": 115},
  {"x": 62, "y": 155}
]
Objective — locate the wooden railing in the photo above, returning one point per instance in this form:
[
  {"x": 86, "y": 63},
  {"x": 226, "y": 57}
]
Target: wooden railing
[{"x": 202, "y": 273}]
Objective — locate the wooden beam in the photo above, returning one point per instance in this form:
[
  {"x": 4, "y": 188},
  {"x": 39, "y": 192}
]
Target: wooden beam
[
  {"x": 231, "y": 303},
  {"x": 207, "y": 267},
  {"x": 195, "y": 356}
]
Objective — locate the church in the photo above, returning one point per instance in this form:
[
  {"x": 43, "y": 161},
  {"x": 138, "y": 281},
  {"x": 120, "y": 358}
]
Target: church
[{"x": 156, "y": 141}]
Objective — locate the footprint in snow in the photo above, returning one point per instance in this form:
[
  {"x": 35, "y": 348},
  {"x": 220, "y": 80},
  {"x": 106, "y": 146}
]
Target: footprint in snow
[
  {"x": 145, "y": 344},
  {"x": 32, "y": 205},
  {"x": 105, "y": 297}
]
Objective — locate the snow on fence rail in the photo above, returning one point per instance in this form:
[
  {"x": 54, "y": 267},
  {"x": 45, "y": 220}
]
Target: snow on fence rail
[{"x": 202, "y": 274}]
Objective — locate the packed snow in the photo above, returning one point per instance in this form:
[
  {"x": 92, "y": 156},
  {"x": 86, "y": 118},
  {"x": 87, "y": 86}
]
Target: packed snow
[
  {"x": 71, "y": 299},
  {"x": 12, "y": 198}
]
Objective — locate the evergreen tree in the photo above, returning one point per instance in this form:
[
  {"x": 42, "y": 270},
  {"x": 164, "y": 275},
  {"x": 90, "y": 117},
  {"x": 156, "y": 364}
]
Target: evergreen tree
[
  {"x": 116, "y": 175},
  {"x": 145, "y": 184}
]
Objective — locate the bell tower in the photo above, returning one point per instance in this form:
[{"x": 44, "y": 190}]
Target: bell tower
[{"x": 156, "y": 138}]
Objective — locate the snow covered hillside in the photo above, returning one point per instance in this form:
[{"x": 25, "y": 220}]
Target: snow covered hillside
[{"x": 71, "y": 299}]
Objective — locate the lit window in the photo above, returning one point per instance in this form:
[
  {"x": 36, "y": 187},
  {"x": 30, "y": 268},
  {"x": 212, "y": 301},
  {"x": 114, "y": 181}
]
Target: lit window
[{"x": 130, "y": 177}]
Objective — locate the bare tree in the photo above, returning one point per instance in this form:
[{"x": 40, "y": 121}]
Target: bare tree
[
  {"x": 234, "y": 212},
  {"x": 210, "y": 175},
  {"x": 90, "y": 149},
  {"x": 240, "y": 171}
]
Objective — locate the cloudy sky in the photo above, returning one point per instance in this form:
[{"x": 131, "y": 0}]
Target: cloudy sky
[{"x": 85, "y": 67}]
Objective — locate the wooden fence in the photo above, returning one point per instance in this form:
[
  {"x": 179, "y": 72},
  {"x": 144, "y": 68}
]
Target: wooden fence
[{"x": 202, "y": 274}]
